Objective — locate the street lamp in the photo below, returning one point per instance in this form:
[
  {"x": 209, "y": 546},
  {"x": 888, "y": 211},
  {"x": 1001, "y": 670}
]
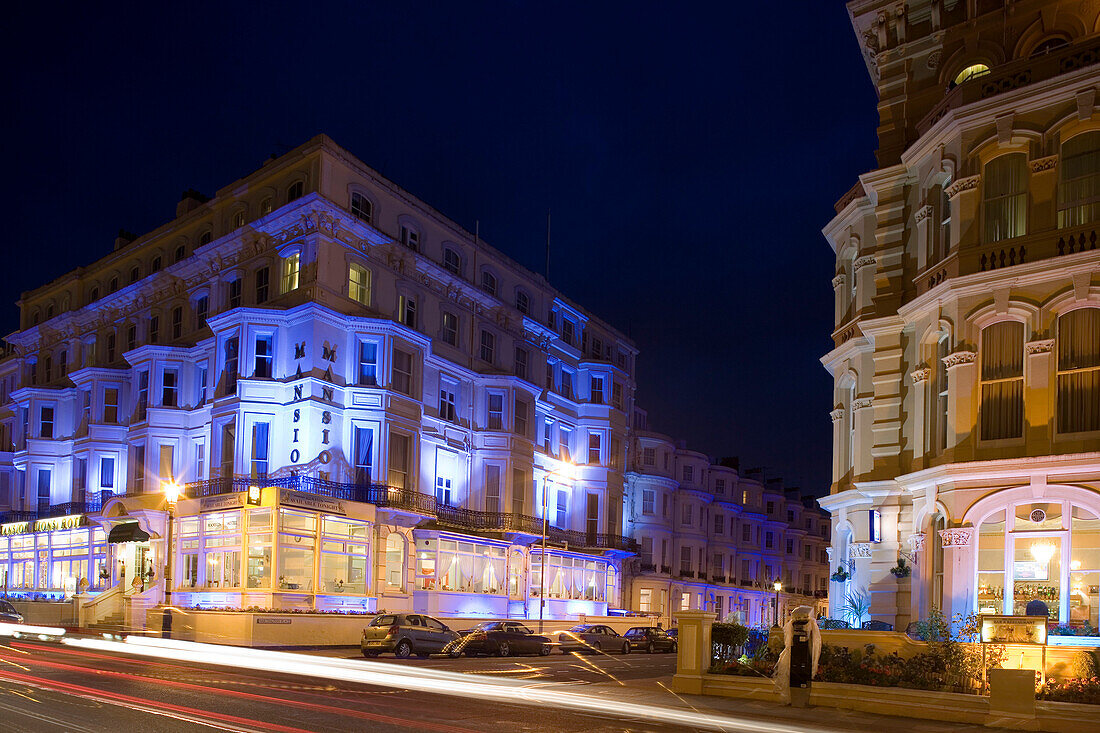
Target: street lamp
[
  {"x": 566, "y": 470},
  {"x": 172, "y": 492},
  {"x": 778, "y": 587}
]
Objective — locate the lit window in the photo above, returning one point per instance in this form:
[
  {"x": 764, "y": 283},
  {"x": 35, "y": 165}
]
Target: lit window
[
  {"x": 359, "y": 283},
  {"x": 449, "y": 328},
  {"x": 361, "y": 207},
  {"x": 1002, "y": 375},
  {"x": 291, "y": 268},
  {"x": 368, "y": 363},
  {"x": 1004, "y": 186},
  {"x": 406, "y": 310},
  {"x": 238, "y": 220},
  {"x": 971, "y": 72},
  {"x": 1079, "y": 180},
  {"x": 1079, "y": 371}
]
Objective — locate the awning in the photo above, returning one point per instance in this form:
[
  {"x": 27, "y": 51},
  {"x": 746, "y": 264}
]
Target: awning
[{"x": 128, "y": 532}]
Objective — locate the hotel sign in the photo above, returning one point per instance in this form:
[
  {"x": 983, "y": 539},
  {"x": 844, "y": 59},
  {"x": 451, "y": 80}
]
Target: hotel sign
[
  {"x": 222, "y": 501},
  {"x": 1013, "y": 629},
  {"x": 45, "y": 525},
  {"x": 289, "y": 497}
]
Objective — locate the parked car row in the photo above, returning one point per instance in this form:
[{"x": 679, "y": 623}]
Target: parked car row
[{"x": 406, "y": 634}]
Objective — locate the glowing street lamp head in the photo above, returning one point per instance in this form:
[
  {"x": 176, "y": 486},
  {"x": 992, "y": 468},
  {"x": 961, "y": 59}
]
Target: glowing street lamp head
[
  {"x": 778, "y": 586},
  {"x": 172, "y": 491}
]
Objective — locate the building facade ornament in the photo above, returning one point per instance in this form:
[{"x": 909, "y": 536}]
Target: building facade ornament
[
  {"x": 1048, "y": 163},
  {"x": 920, "y": 375},
  {"x": 923, "y": 213},
  {"x": 917, "y": 542},
  {"x": 1043, "y": 346},
  {"x": 963, "y": 184},
  {"x": 838, "y": 281},
  {"x": 858, "y": 550},
  {"x": 861, "y": 403},
  {"x": 956, "y": 536},
  {"x": 959, "y": 358},
  {"x": 837, "y": 415},
  {"x": 933, "y": 60},
  {"x": 862, "y": 262}
]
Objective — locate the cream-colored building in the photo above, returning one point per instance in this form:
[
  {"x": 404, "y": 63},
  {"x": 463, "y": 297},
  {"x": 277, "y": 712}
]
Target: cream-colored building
[{"x": 966, "y": 359}]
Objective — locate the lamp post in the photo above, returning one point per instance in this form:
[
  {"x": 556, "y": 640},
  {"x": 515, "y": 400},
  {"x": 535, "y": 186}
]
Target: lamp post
[
  {"x": 778, "y": 587},
  {"x": 565, "y": 471},
  {"x": 172, "y": 492}
]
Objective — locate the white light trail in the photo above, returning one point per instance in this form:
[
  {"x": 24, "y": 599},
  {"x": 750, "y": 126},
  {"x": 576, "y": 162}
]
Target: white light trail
[
  {"x": 26, "y": 630},
  {"x": 432, "y": 681}
]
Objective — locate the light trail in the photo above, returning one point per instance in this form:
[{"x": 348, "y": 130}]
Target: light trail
[{"x": 433, "y": 682}]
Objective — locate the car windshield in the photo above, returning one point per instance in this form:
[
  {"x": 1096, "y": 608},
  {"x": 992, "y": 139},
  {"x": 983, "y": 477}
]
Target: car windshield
[
  {"x": 580, "y": 627},
  {"x": 6, "y": 607},
  {"x": 488, "y": 626},
  {"x": 388, "y": 620}
]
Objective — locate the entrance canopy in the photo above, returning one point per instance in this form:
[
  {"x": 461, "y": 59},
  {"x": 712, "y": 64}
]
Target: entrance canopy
[{"x": 127, "y": 532}]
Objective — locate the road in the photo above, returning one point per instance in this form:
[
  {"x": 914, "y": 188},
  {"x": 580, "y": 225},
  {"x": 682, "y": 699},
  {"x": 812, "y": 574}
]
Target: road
[{"x": 96, "y": 685}]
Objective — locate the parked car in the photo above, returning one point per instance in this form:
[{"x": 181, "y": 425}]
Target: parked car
[
  {"x": 650, "y": 639},
  {"x": 593, "y": 638},
  {"x": 502, "y": 638},
  {"x": 405, "y": 634},
  {"x": 8, "y": 614}
]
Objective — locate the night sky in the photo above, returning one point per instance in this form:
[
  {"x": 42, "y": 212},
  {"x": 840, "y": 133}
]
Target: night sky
[{"x": 689, "y": 153}]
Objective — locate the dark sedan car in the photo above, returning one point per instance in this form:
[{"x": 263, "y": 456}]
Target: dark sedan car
[
  {"x": 650, "y": 639},
  {"x": 405, "y": 634},
  {"x": 502, "y": 638},
  {"x": 8, "y": 614},
  {"x": 593, "y": 638}
]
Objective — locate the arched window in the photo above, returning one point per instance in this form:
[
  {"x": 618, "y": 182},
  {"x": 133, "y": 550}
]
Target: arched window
[
  {"x": 1004, "y": 186},
  {"x": 93, "y": 294},
  {"x": 295, "y": 191},
  {"x": 205, "y": 237},
  {"x": 1002, "y": 366},
  {"x": 940, "y": 389},
  {"x": 238, "y": 220},
  {"x": 488, "y": 282},
  {"x": 112, "y": 285},
  {"x": 265, "y": 206},
  {"x": 970, "y": 72},
  {"x": 361, "y": 207},
  {"x": 1079, "y": 180},
  {"x": 452, "y": 261},
  {"x": 395, "y": 561},
  {"x": 1079, "y": 371},
  {"x": 523, "y": 302},
  {"x": 155, "y": 266},
  {"x": 181, "y": 252},
  {"x": 1047, "y": 46},
  {"x": 49, "y": 311},
  {"x": 135, "y": 274},
  {"x": 938, "y": 522}
]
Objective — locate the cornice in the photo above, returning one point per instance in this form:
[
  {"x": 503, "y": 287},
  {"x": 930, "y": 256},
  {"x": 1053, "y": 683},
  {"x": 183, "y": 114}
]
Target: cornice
[
  {"x": 920, "y": 375},
  {"x": 1044, "y": 346},
  {"x": 963, "y": 184},
  {"x": 959, "y": 358},
  {"x": 922, "y": 214},
  {"x": 1039, "y": 165}
]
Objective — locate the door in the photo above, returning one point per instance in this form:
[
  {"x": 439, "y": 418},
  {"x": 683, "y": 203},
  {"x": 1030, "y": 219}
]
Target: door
[{"x": 436, "y": 636}]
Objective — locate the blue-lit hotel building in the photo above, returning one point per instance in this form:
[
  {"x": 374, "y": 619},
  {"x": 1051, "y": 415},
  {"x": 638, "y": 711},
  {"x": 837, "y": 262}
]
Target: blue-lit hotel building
[{"x": 409, "y": 403}]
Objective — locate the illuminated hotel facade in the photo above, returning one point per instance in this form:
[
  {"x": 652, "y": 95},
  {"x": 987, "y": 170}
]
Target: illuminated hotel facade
[
  {"x": 966, "y": 359},
  {"x": 410, "y": 403}
]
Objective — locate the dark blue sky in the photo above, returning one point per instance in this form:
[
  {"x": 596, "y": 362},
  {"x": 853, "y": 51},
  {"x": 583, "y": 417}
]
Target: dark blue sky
[{"x": 689, "y": 153}]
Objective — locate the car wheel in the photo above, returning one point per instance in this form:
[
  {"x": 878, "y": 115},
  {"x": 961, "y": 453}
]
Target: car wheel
[
  {"x": 650, "y": 648},
  {"x": 403, "y": 649},
  {"x": 369, "y": 654},
  {"x": 672, "y": 648},
  {"x": 455, "y": 653},
  {"x": 503, "y": 650},
  {"x": 596, "y": 648},
  {"x": 626, "y": 648},
  {"x": 544, "y": 650}
]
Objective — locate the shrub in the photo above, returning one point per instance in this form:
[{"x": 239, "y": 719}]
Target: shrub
[
  {"x": 1080, "y": 690},
  {"x": 732, "y": 635}
]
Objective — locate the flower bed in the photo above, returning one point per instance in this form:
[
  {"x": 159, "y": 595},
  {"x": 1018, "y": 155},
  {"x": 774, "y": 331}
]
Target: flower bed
[
  {"x": 282, "y": 611},
  {"x": 1078, "y": 689}
]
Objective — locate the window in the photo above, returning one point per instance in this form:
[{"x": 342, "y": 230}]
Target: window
[
  {"x": 359, "y": 283},
  {"x": 547, "y": 433},
  {"x": 685, "y": 561},
  {"x": 596, "y": 393},
  {"x": 567, "y": 384},
  {"x": 406, "y": 310},
  {"x": 688, "y": 473},
  {"x": 259, "y": 450},
  {"x": 169, "y": 393},
  {"x": 399, "y": 460},
  {"x": 45, "y": 422},
  {"x": 107, "y": 472},
  {"x": 368, "y": 363},
  {"x": 647, "y": 553},
  {"x": 790, "y": 516},
  {"x": 941, "y": 390},
  {"x": 648, "y": 501},
  {"x": 561, "y": 518},
  {"x": 567, "y": 331},
  {"x": 112, "y": 285},
  {"x": 1079, "y": 180},
  {"x": 154, "y": 330},
  {"x": 238, "y": 220},
  {"x": 1079, "y": 371},
  {"x": 410, "y": 238},
  {"x": 142, "y": 396},
  {"x": 205, "y": 238},
  {"x": 200, "y": 385},
  {"x": 790, "y": 547},
  {"x": 403, "y": 371},
  {"x": 488, "y": 282},
  {"x": 155, "y": 266},
  {"x": 443, "y": 490},
  {"x": 266, "y": 206},
  {"x": 851, "y": 416},
  {"x": 1004, "y": 185},
  {"x": 449, "y": 328},
  {"x": 970, "y": 72},
  {"x": 180, "y": 253},
  {"x": 617, "y": 395},
  {"x": 769, "y": 540},
  {"x": 452, "y": 261},
  {"x": 295, "y": 191},
  {"x": 488, "y": 346},
  {"x": 167, "y": 462},
  {"x": 264, "y": 357},
  {"x": 291, "y": 268},
  {"x": 263, "y": 276},
  {"x": 520, "y": 365},
  {"x": 135, "y": 275},
  {"x": 943, "y": 241},
  {"x": 202, "y": 310},
  {"x": 364, "y": 439},
  {"x": 649, "y": 456},
  {"x": 137, "y": 467},
  {"x": 361, "y": 207},
  {"x": 565, "y": 440},
  {"x": 110, "y": 406},
  {"x": 595, "y": 448},
  {"x": 720, "y": 486},
  {"x": 523, "y": 302},
  {"x": 447, "y": 400},
  {"x": 233, "y": 291},
  {"x": 746, "y": 533},
  {"x": 719, "y": 523},
  {"x": 177, "y": 322},
  {"x": 231, "y": 350},
  {"x": 685, "y": 514},
  {"x": 496, "y": 410},
  {"x": 716, "y": 567},
  {"x": 1002, "y": 374},
  {"x": 47, "y": 366},
  {"x": 770, "y": 508},
  {"x": 492, "y": 488},
  {"x": 521, "y": 410}
]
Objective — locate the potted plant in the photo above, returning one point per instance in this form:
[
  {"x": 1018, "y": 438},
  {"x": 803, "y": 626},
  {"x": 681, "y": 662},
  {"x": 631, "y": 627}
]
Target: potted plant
[
  {"x": 901, "y": 570},
  {"x": 840, "y": 575}
]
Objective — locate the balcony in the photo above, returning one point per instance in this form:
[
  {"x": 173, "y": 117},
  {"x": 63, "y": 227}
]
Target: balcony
[
  {"x": 1014, "y": 75},
  {"x": 391, "y": 497},
  {"x": 648, "y": 567}
]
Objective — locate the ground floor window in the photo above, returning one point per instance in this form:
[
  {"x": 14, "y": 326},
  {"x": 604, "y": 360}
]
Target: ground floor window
[
  {"x": 569, "y": 578},
  {"x": 466, "y": 567},
  {"x": 53, "y": 561}
]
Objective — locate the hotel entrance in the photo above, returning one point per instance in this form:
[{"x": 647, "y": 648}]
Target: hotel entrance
[{"x": 131, "y": 557}]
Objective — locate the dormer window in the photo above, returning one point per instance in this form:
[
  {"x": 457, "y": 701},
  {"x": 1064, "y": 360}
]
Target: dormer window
[
  {"x": 970, "y": 72},
  {"x": 295, "y": 191},
  {"x": 452, "y": 262},
  {"x": 488, "y": 282},
  {"x": 361, "y": 207}
]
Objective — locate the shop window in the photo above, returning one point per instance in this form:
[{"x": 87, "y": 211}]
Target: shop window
[
  {"x": 343, "y": 556},
  {"x": 1004, "y": 186},
  {"x": 1079, "y": 180},
  {"x": 1002, "y": 374},
  {"x": 395, "y": 561},
  {"x": 221, "y": 549},
  {"x": 1079, "y": 371}
]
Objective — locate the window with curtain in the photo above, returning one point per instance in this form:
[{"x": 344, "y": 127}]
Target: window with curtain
[
  {"x": 1002, "y": 410},
  {"x": 1004, "y": 185},
  {"x": 1079, "y": 371},
  {"x": 1079, "y": 180},
  {"x": 940, "y": 409}
]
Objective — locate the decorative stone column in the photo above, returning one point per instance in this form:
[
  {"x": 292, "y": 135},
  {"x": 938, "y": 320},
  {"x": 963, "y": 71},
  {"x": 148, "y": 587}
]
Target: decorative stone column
[
  {"x": 859, "y": 567},
  {"x": 958, "y": 583},
  {"x": 693, "y": 650},
  {"x": 837, "y": 416},
  {"x": 864, "y": 420},
  {"x": 961, "y": 400},
  {"x": 1037, "y": 387},
  {"x": 920, "y": 409},
  {"x": 920, "y": 577},
  {"x": 864, "y": 281},
  {"x": 963, "y": 195},
  {"x": 840, "y": 300},
  {"x": 1042, "y": 190},
  {"x": 922, "y": 219}
]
